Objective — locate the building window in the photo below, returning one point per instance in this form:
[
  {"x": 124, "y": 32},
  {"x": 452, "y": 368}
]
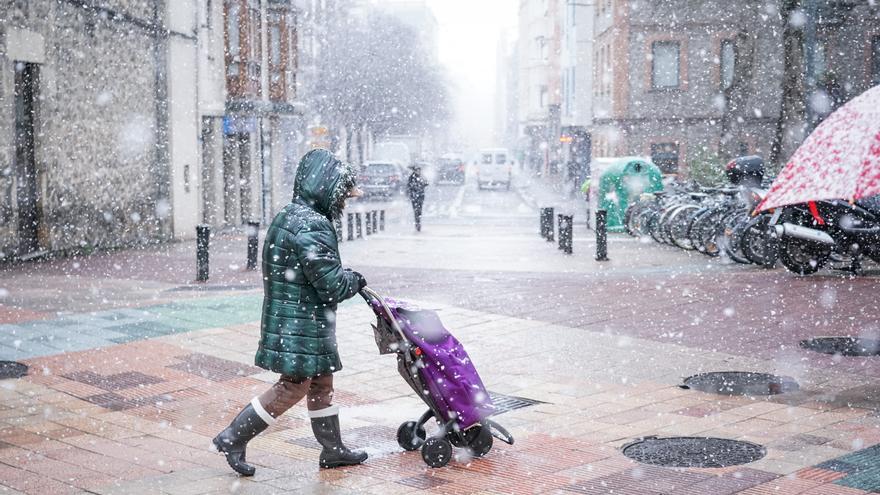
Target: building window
[
  {"x": 728, "y": 63},
  {"x": 665, "y": 64},
  {"x": 254, "y": 44},
  {"x": 609, "y": 67},
  {"x": 233, "y": 38},
  {"x": 292, "y": 55},
  {"x": 665, "y": 156},
  {"x": 875, "y": 60},
  {"x": 542, "y": 97},
  {"x": 276, "y": 56}
]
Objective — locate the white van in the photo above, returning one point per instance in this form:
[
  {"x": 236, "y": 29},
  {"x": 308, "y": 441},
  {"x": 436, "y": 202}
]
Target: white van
[{"x": 494, "y": 168}]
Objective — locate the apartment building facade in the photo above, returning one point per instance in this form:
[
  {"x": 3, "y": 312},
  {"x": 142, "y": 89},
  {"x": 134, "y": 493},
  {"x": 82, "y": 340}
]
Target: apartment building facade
[
  {"x": 687, "y": 80},
  {"x": 576, "y": 99},
  {"x": 263, "y": 125},
  {"x": 539, "y": 86}
]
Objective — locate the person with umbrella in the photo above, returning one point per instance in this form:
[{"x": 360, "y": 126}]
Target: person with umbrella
[
  {"x": 415, "y": 188},
  {"x": 304, "y": 281}
]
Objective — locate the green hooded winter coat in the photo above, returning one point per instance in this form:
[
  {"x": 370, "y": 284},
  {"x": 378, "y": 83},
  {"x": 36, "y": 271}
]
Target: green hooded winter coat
[{"x": 303, "y": 278}]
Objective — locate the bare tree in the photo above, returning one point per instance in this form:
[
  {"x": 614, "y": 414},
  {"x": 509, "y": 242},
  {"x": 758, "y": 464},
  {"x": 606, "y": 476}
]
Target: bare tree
[{"x": 373, "y": 72}]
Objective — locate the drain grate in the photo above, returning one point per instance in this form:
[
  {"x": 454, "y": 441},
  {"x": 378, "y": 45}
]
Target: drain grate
[
  {"x": 699, "y": 452},
  {"x": 740, "y": 383},
  {"x": 506, "y": 403},
  {"x": 12, "y": 369},
  {"x": 112, "y": 383},
  {"x": 845, "y": 346}
]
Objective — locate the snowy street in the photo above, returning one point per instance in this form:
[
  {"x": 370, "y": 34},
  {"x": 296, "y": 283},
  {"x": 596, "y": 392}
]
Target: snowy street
[
  {"x": 134, "y": 368},
  {"x": 439, "y": 247}
]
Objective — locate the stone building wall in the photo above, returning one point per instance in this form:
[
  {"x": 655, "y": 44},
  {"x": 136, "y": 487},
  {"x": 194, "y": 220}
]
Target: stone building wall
[{"x": 97, "y": 163}]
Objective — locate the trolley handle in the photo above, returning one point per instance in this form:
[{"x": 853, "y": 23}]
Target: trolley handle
[{"x": 370, "y": 295}]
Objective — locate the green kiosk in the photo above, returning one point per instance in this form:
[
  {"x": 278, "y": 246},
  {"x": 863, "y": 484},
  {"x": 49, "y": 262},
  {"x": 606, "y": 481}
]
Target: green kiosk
[{"x": 621, "y": 182}]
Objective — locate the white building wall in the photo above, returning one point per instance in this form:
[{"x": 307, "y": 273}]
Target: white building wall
[
  {"x": 212, "y": 107},
  {"x": 577, "y": 64},
  {"x": 183, "y": 116},
  {"x": 212, "y": 70}
]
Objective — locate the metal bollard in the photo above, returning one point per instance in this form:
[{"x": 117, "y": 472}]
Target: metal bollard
[
  {"x": 601, "y": 235},
  {"x": 382, "y": 220},
  {"x": 253, "y": 243},
  {"x": 351, "y": 226},
  {"x": 566, "y": 224},
  {"x": 203, "y": 236},
  {"x": 547, "y": 224},
  {"x": 368, "y": 223},
  {"x": 357, "y": 221}
]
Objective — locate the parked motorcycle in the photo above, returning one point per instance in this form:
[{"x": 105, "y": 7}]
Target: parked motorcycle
[{"x": 811, "y": 234}]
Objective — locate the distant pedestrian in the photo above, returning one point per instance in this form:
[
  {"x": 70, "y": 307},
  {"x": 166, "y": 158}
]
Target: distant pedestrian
[
  {"x": 415, "y": 187},
  {"x": 585, "y": 190},
  {"x": 304, "y": 282}
]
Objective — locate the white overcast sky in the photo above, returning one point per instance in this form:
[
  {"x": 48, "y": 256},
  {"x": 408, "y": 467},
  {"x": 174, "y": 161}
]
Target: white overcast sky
[{"x": 468, "y": 37}]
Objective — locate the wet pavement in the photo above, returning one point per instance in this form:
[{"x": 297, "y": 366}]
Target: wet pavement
[{"x": 134, "y": 367}]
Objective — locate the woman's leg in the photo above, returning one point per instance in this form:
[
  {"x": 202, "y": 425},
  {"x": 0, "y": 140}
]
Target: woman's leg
[
  {"x": 320, "y": 392},
  {"x": 325, "y": 425},
  {"x": 255, "y": 418},
  {"x": 283, "y": 395}
]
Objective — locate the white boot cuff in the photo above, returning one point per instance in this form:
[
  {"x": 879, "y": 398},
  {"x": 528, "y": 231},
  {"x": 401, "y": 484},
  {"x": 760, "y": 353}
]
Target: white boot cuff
[
  {"x": 261, "y": 411},
  {"x": 326, "y": 412}
]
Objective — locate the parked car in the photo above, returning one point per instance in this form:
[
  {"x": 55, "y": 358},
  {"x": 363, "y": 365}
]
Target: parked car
[
  {"x": 381, "y": 179},
  {"x": 494, "y": 168},
  {"x": 450, "y": 169}
]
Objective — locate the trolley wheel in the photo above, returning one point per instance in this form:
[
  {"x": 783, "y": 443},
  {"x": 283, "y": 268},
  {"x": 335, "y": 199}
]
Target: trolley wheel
[
  {"x": 409, "y": 438},
  {"x": 437, "y": 452},
  {"x": 480, "y": 441}
]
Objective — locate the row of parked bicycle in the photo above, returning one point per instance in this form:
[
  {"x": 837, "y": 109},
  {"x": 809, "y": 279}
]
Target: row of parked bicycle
[{"x": 723, "y": 221}]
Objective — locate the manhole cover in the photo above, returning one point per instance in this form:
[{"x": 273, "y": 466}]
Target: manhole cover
[
  {"x": 845, "y": 346},
  {"x": 703, "y": 452},
  {"x": 12, "y": 369},
  {"x": 740, "y": 383}
]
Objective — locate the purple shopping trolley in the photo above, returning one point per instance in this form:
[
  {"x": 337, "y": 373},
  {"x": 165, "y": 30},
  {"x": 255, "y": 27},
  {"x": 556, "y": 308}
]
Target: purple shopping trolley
[{"x": 434, "y": 363}]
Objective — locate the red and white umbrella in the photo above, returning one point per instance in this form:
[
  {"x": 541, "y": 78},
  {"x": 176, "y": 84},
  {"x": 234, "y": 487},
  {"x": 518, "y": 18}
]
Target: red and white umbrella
[{"x": 839, "y": 160}]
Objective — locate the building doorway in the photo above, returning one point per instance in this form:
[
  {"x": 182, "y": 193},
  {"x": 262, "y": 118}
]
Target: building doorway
[
  {"x": 26, "y": 192},
  {"x": 237, "y": 178}
]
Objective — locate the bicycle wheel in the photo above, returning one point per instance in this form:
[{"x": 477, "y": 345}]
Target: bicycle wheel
[
  {"x": 631, "y": 214},
  {"x": 664, "y": 223},
  {"x": 695, "y": 226},
  {"x": 733, "y": 227},
  {"x": 679, "y": 224},
  {"x": 709, "y": 230},
  {"x": 758, "y": 244}
]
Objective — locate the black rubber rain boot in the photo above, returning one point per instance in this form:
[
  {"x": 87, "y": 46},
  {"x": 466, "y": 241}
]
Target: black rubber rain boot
[
  {"x": 233, "y": 440},
  {"x": 334, "y": 453}
]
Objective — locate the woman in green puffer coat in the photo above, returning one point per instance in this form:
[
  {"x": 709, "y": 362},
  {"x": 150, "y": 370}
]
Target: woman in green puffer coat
[{"x": 303, "y": 281}]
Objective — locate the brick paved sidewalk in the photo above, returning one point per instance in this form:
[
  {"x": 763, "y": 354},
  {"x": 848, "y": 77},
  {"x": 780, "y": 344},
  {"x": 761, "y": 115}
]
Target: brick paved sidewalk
[{"x": 137, "y": 415}]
